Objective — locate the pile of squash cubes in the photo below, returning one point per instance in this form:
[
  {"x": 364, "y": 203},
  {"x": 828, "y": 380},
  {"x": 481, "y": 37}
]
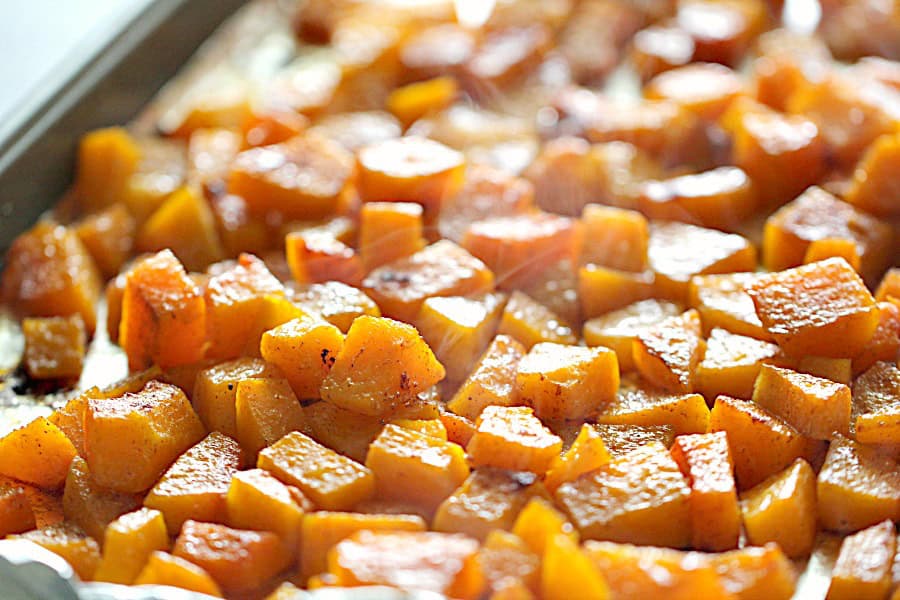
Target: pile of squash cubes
[{"x": 442, "y": 315}]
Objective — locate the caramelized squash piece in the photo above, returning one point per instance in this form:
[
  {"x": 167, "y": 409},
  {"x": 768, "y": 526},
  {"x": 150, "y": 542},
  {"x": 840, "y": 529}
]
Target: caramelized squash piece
[
  {"x": 16, "y": 514},
  {"x": 389, "y": 231},
  {"x": 215, "y": 391},
  {"x": 567, "y": 572},
  {"x": 602, "y": 290},
  {"x": 54, "y": 347},
  {"x": 346, "y": 432},
  {"x": 512, "y": 437},
  {"x": 539, "y": 522},
  {"x": 265, "y": 411},
  {"x": 622, "y": 439},
  {"x": 304, "y": 350},
  {"x": 816, "y": 407},
  {"x": 106, "y": 160},
  {"x": 256, "y": 500},
  {"x": 587, "y": 452},
  {"x": 129, "y": 542},
  {"x": 336, "y": 302},
  {"x": 163, "y": 568},
  {"x": 509, "y": 564},
  {"x": 863, "y": 567},
  {"x": 876, "y": 405},
  {"x": 618, "y": 330},
  {"x": 754, "y": 573},
  {"x": 90, "y": 506},
  {"x": 658, "y": 48},
  {"x": 667, "y": 354},
  {"x": 722, "y": 30},
  {"x": 492, "y": 381},
  {"x": 38, "y": 453},
  {"x": 684, "y": 413},
  {"x": 109, "y": 237},
  {"x": 415, "y": 100},
  {"x": 530, "y": 322},
  {"x": 615, "y": 238},
  {"x": 885, "y": 342},
  {"x": 315, "y": 256},
  {"x": 731, "y": 364},
  {"x": 722, "y": 301},
  {"x": 68, "y": 541},
  {"x": 788, "y": 61},
  {"x": 705, "y": 89},
  {"x": 872, "y": 188}
]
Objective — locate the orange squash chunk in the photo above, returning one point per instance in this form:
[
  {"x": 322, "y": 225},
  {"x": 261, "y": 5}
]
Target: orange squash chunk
[
  {"x": 567, "y": 572},
  {"x": 38, "y": 453},
  {"x": 517, "y": 249},
  {"x": 54, "y": 347},
  {"x": 331, "y": 481},
  {"x": 602, "y": 290},
  {"x": 788, "y": 60},
  {"x": 346, "y": 432},
  {"x": 685, "y": 413},
  {"x": 336, "y": 302},
  {"x": 49, "y": 272},
  {"x": 488, "y": 500},
  {"x": 872, "y": 188},
  {"x": 233, "y": 301},
  {"x": 415, "y": 100},
  {"x": 832, "y": 247},
  {"x": 256, "y": 500},
  {"x": 436, "y": 50},
  {"x": 304, "y": 350},
  {"x": 756, "y": 573},
  {"x": 816, "y": 407},
  {"x": 622, "y": 439},
  {"x": 389, "y": 231},
  {"x": 128, "y": 543},
  {"x": 722, "y": 30},
  {"x": 215, "y": 391},
  {"x": 492, "y": 381},
  {"x": 731, "y": 364},
  {"x": 816, "y": 216},
  {"x": 239, "y": 231},
  {"x": 316, "y": 256},
  {"x": 305, "y": 177},
  {"x": 68, "y": 541},
  {"x": 507, "y": 562},
  {"x": 163, "y": 568},
  {"x": 194, "y": 487},
  {"x": 504, "y": 57},
  {"x": 863, "y": 567},
  {"x": 889, "y": 285},
  {"x": 512, "y": 437},
  {"x": 530, "y": 322},
  {"x": 885, "y": 342},
  {"x": 640, "y": 497},
  {"x": 667, "y": 354},
  {"x": 823, "y": 309},
  {"x": 782, "y": 154},
  {"x": 265, "y": 411},
  {"x": 415, "y": 561},
  {"x": 108, "y": 236},
  {"x": 163, "y": 314},
  {"x": 706, "y": 461},
  {"x": 705, "y": 89},
  {"x": 238, "y": 560},
  {"x": 679, "y": 251},
  {"x": 130, "y": 440},
  {"x": 587, "y": 452},
  {"x": 161, "y": 171},
  {"x": 409, "y": 169},
  {"x": 857, "y": 487},
  {"x": 459, "y": 329},
  {"x": 618, "y": 329},
  {"x": 90, "y": 506},
  {"x": 273, "y": 126},
  {"x": 539, "y": 522},
  {"x": 615, "y": 238},
  {"x": 107, "y": 158},
  {"x": 16, "y": 514},
  {"x": 441, "y": 269},
  {"x": 567, "y": 382},
  {"x": 876, "y": 405},
  {"x": 722, "y": 301}
]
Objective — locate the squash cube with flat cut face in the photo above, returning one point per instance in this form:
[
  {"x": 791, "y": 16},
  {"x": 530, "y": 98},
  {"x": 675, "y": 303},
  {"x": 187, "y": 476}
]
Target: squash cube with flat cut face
[
  {"x": 304, "y": 349},
  {"x": 337, "y": 303},
  {"x": 512, "y": 437},
  {"x": 618, "y": 330},
  {"x": 667, "y": 354},
  {"x": 128, "y": 543},
  {"x": 54, "y": 347},
  {"x": 215, "y": 391},
  {"x": 587, "y": 452},
  {"x": 38, "y": 453},
  {"x": 492, "y": 381},
  {"x": 90, "y": 506},
  {"x": 163, "y": 568},
  {"x": 731, "y": 364},
  {"x": 876, "y": 404},
  {"x": 530, "y": 322},
  {"x": 863, "y": 567},
  {"x": 681, "y": 413},
  {"x": 265, "y": 410}
]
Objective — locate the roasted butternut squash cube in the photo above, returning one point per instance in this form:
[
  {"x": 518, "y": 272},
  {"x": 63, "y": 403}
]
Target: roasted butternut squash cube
[
  {"x": 816, "y": 407},
  {"x": 194, "y": 487},
  {"x": 871, "y": 188},
  {"x": 265, "y": 411},
  {"x": 415, "y": 100},
  {"x": 822, "y": 308},
  {"x": 400, "y": 456},
  {"x": 163, "y": 314},
  {"x": 256, "y": 500},
  {"x": 128, "y": 543},
  {"x": 459, "y": 428},
  {"x": 16, "y": 514},
  {"x": 782, "y": 154},
  {"x": 507, "y": 562},
  {"x": 305, "y": 177},
  {"x": 567, "y": 382},
  {"x": 667, "y": 354},
  {"x": 830, "y": 248},
  {"x": 45, "y": 505},
  {"x": 678, "y": 251},
  {"x": 78, "y": 549},
  {"x": 657, "y": 49},
  {"x": 539, "y": 523},
  {"x": 706, "y": 461},
  {"x": 38, "y": 453},
  {"x": 567, "y": 572},
  {"x": 622, "y": 439},
  {"x": 722, "y": 301},
  {"x": 587, "y": 452},
  {"x": 237, "y": 559},
  {"x": 705, "y": 89},
  {"x": 49, "y": 272},
  {"x": 215, "y": 391},
  {"x": 331, "y": 481},
  {"x": 441, "y": 269},
  {"x": 273, "y": 126},
  {"x": 885, "y": 342},
  {"x": 889, "y": 285},
  {"x": 316, "y": 256},
  {"x": 163, "y": 568},
  {"x": 130, "y": 440},
  {"x": 409, "y": 169},
  {"x": 684, "y": 413},
  {"x": 512, "y": 437},
  {"x": 225, "y": 105},
  {"x": 614, "y": 238},
  {"x": 530, "y": 322},
  {"x": 344, "y": 431},
  {"x": 618, "y": 329},
  {"x": 238, "y": 229},
  {"x": 756, "y": 573},
  {"x": 389, "y": 231},
  {"x": 761, "y": 443},
  {"x": 431, "y": 427},
  {"x": 417, "y": 561},
  {"x": 459, "y": 329},
  {"x": 383, "y": 365},
  {"x": 863, "y": 567},
  {"x": 640, "y": 497},
  {"x": 603, "y": 290},
  {"x": 90, "y": 506},
  {"x": 304, "y": 350},
  {"x": 54, "y": 347},
  {"x": 106, "y": 160},
  {"x": 322, "y": 530},
  {"x": 731, "y": 364},
  {"x": 109, "y": 237},
  {"x": 337, "y": 303},
  {"x": 492, "y": 381},
  {"x": 722, "y": 31},
  {"x": 162, "y": 169},
  {"x": 488, "y": 500},
  {"x": 857, "y": 487},
  {"x": 788, "y": 60},
  {"x": 876, "y": 405},
  {"x": 504, "y": 57}
]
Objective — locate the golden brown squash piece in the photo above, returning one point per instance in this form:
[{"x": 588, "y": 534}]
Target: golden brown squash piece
[
  {"x": 346, "y": 432},
  {"x": 722, "y": 301},
  {"x": 816, "y": 407},
  {"x": 16, "y": 514},
  {"x": 71, "y": 543},
  {"x": 705, "y": 89},
  {"x": 754, "y": 573},
  {"x": 640, "y": 498},
  {"x": 567, "y": 572},
  {"x": 90, "y": 506},
  {"x": 512, "y": 437},
  {"x": 417, "y": 561},
  {"x": 492, "y": 381},
  {"x": 602, "y": 290},
  {"x": 128, "y": 543},
  {"x": 315, "y": 256},
  {"x": 49, "y": 273},
  {"x": 731, "y": 364},
  {"x": 163, "y": 568},
  {"x": 876, "y": 404},
  {"x": 54, "y": 347},
  {"x": 215, "y": 391},
  {"x": 587, "y": 452},
  {"x": 304, "y": 350},
  {"x": 539, "y": 522},
  {"x": 389, "y": 231},
  {"x": 782, "y": 509},
  {"x": 863, "y": 567},
  {"x": 872, "y": 188},
  {"x": 885, "y": 342},
  {"x": 336, "y": 302},
  {"x": 615, "y": 238},
  {"x": 722, "y": 29},
  {"x": 788, "y": 60},
  {"x": 618, "y": 329},
  {"x": 667, "y": 354},
  {"x": 416, "y": 100},
  {"x": 109, "y": 237},
  {"x": 530, "y": 322},
  {"x": 507, "y": 564},
  {"x": 823, "y": 309},
  {"x": 38, "y": 453},
  {"x": 265, "y": 411},
  {"x": 683, "y": 413},
  {"x": 622, "y": 439},
  {"x": 106, "y": 160}
]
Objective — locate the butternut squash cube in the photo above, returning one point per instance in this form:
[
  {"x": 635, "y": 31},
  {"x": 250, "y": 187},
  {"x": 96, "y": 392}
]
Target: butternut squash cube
[
  {"x": 163, "y": 314},
  {"x": 705, "y": 89},
  {"x": 492, "y": 381},
  {"x": 816, "y": 407},
  {"x": 488, "y": 500},
  {"x": 657, "y": 49},
  {"x": 615, "y": 238},
  {"x": 344, "y": 431},
  {"x": 90, "y": 506},
  {"x": 322, "y": 530},
  {"x": 863, "y": 567},
  {"x": 822, "y": 308},
  {"x": 857, "y": 487},
  {"x": 640, "y": 498},
  {"x": 722, "y": 301},
  {"x": 331, "y": 481},
  {"x": 442, "y": 563},
  {"x": 415, "y": 100},
  {"x": 530, "y": 322},
  {"x": 68, "y": 541},
  {"x": 317, "y": 256},
  {"x": 567, "y": 382},
  {"x": 265, "y": 411},
  {"x": 109, "y": 237},
  {"x": 872, "y": 187},
  {"x": 587, "y": 452},
  {"x": 337, "y": 303},
  {"x": 441, "y": 269},
  {"x": 539, "y": 523},
  {"x": 54, "y": 347},
  {"x": 38, "y": 453},
  {"x": 684, "y": 413},
  {"x": 459, "y": 428},
  {"x": 602, "y": 290},
  {"x": 706, "y": 461},
  {"x": 256, "y": 500},
  {"x": 128, "y": 544},
  {"x": 508, "y": 563},
  {"x": 619, "y": 329},
  {"x": 416, "y": 467},
  {"x": 731, "y": 364},
  {"x": 885, "y": 342},
  {"x": 215, "y": 391},
  {"x": 567, "y": 572},
  {"x": 16, "y": 514},
  {"x": 304, "y": 350},
  {"x": 667, "y": 354},
  {"x": 788, "y": 61},
  {"x": 876, "y": 405},
  {"x": 389, "y": 231},
  {"x": 512, "y": 437},
  {"x": 194, "y": 487},
  {"x": 622, "y": 439},
  {"x": 163, "y": 568},
  {"x": 754, "y": 573},
  {"x": 237, "y": 559},
  {"x": 504, "y": 57},
  {"x": 889, "y": 286},
  {"x": 106, "y": 160},
  {"x": 383, "y": 365},
  {"x": 722, "y": 31}
]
